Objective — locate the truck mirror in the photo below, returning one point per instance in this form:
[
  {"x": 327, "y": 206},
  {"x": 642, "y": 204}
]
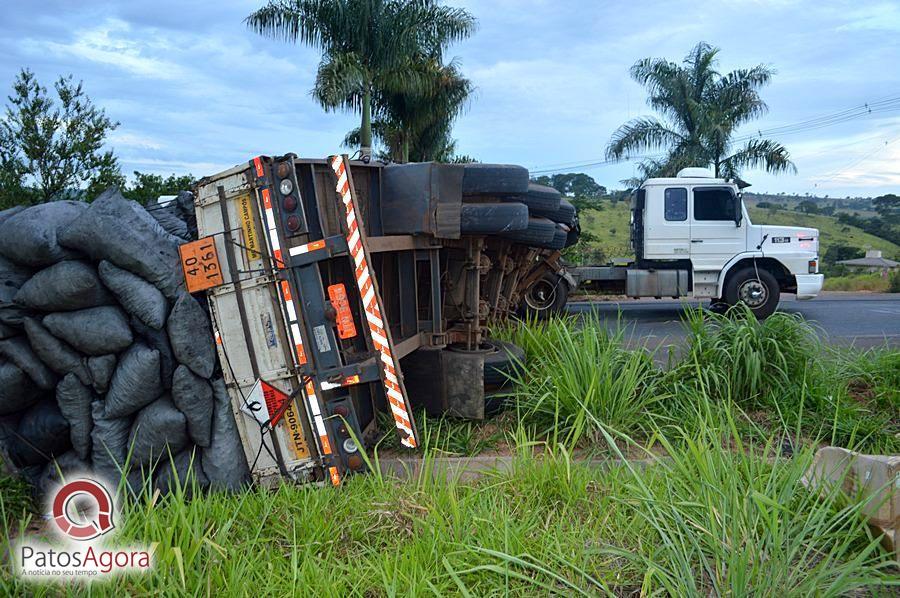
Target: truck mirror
[{"x": 738, "y": 210}]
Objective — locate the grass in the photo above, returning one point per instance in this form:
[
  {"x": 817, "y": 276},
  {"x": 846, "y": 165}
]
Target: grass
[
  {"x": 858, "y": 282},
  {"x": 726, "y": 433},
  {"x": 610, "y": 226}
]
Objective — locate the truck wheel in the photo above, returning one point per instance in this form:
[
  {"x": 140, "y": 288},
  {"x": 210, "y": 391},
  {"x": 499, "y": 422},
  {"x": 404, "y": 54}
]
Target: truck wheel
[
  {"x": 541, "y": 200},
  {"x": 547, "y": 296},
  {"x": 494, "y": 179},
  {"x": 564, "y": 214},
  {"x": 756, "y": 288},
  {"x": 502, "y": 363},
  {"x": 493, "y": 218},
  {"x": 538, "y": 232}
]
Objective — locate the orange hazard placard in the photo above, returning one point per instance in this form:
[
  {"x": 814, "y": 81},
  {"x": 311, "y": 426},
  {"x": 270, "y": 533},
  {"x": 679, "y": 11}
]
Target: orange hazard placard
[
  {"x": 338, "y": 295},
  {"x": 200, "y": 263}
]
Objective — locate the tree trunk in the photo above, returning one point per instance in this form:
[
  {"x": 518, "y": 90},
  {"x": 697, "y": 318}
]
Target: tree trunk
[
  {"x": 405, "y": 148},
  {"x": 365, "y": 129}
]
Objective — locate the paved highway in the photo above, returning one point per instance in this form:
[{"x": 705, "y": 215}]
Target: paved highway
[{"x": 858, "y": 319}]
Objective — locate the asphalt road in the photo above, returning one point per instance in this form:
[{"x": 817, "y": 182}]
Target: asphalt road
[{"x": 858, "y": 319}]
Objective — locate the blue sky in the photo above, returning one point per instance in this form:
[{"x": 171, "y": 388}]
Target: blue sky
[{"x": 196, "y": 91}]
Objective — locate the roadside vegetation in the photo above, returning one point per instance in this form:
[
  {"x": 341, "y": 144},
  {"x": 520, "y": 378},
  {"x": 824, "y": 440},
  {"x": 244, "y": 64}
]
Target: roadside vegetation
[{"x": 710, "y": 501}]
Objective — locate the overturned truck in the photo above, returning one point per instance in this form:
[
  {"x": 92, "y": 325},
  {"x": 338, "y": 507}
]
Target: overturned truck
[{"x": 255, "y": 328}]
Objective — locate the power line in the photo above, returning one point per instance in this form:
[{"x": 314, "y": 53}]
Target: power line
[{"x": 885, "y": 104}]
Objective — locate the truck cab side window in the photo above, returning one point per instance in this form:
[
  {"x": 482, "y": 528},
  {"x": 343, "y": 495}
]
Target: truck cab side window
[
  {"x": 713, "y": 204},
  {"x": 676, "y": 205}
]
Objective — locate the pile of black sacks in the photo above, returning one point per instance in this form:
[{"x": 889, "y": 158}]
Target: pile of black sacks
[{"x": 107, "y": 365}]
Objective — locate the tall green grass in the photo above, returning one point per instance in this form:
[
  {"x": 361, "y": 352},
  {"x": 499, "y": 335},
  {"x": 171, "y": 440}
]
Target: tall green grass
[{"x": 580, "y": 377}]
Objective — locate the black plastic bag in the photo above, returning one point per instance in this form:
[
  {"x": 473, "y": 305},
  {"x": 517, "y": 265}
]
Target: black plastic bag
[
  {"x": 30, "y": 237},
  {"x": 60, "y": 468},
  {"x": 17, "y": 390},
  {"x": 10, "y": 212},
  {"x": 59, "y": 357},
  {"x": 65, "y": 286},
  {"x": 159, "y": 429},
  {"x": 120, "y": 231},
  {"x": 159, "y": 340},
  {"x": 194, "y": 397},
  {"x": 181, "y": 471},
  {"x": 190, "y": 336},
  {"x": 137, "y": 296},
  {"x": 42, "y": 433},
  {"x": 74, "y": 400},
  {"x": 135, "y": 383},
  {"x": 95, "y": 331},
  {"x": 18, "y": 351},
  {"x": 169, "y": 218},
  {"x": 109, "y": 443},
  {"x": 101, "y": 370},
  {"x": 224, "y": 461},
  {"x": 13, "y": 274}
]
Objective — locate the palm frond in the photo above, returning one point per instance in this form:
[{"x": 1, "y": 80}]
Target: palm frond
[
  {"x": 758, "y": 153},
  {"x": 641, "y": 134}
]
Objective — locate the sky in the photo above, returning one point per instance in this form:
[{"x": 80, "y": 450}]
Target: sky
[{"x": 195, "y": 91}]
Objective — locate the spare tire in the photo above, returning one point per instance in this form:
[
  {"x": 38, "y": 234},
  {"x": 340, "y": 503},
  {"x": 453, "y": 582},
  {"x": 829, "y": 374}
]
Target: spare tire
[
  {"x": 557, "y": 242},
  {"x": 564, "y": 213},
  {"x": 489, "y": 218},
  {"x": 541, "y": 200},
  {"x": 494, "y": 179},
  {"x": 539, "y": 232}
]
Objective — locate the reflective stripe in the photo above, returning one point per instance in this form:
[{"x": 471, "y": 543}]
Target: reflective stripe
[{"x": 377, "y": 332}]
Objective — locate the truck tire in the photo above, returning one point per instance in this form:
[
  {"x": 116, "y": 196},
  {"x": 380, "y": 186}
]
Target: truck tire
[
  {"x": 539, "y": 231},
  {"x": 541, "y": 200},
  {"x": 564, "y": 213},
  {"x": 494, "y": 179},
  {"x": 493, "y": 218},
  {"x": 557, "y": 242},
  {"x": 547, "y": 296},
  {"x": 756, "y": 288},
  {"x": 502, "y": 364}
]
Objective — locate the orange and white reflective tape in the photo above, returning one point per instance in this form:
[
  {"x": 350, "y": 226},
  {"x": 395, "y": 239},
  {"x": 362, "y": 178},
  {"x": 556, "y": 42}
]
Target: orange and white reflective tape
[
  {"x": 315, "y": 245},
  {"x": 397, "y": 401},
  {"x": 348, "y": 381},
  {"x": 294, "y": 326}
]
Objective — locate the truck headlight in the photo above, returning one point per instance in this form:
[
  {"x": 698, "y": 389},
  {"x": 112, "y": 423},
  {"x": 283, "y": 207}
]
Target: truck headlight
[{"x": 814, "y": 266}]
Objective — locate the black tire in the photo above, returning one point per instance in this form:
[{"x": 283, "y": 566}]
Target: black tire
[
  {"x": 564, "y": 213},
  {"x": 557, "y": 242},
  {"x": 494, "y": 179},
  {"x": 493, "y": 218},
  {"x": 502, "y": 363},
  {"x": 547, "y": 296},
  {"x": 756, "y": 288},
  {"x": 541, "y": 200},
  {"x": 539, "y": 232},
  {"x": 497, "y": 401}
]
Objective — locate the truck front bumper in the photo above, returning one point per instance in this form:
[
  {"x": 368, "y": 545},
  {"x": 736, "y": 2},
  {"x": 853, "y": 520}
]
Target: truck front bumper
[{"x": 809, "y": 285}]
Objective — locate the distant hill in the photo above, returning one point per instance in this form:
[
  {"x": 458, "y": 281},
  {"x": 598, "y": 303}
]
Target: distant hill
[{"x": 862, "y": 205}]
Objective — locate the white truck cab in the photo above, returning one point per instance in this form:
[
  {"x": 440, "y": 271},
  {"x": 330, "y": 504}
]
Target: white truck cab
[{"x": 692, "y": 237}]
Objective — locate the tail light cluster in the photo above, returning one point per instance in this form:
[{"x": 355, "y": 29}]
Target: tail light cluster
[
  {"x": 293, "y": 220},
  {"x": 342, "y": 421}
]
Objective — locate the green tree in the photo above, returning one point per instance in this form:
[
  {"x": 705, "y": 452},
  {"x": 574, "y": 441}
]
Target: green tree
[
  {"x": 888, "y": 207},
  {"x": 576, "y": 184},
  {"x": 700, "y": 111},
  {"x": 368, "y": 47},
  {"x": 808, "y": 207},
  {"x": 147, "y": 188},
  {"x": 52, "y": 148},
  {"x": 416, "y": 125}
]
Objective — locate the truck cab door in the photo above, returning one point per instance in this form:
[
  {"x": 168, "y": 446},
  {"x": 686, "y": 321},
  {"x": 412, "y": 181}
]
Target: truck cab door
[
  {"x": 717, "y": 233},
  {"x": 667, "y": 229}
]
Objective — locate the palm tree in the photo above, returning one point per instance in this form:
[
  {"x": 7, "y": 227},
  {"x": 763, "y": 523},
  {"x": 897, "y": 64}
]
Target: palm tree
[
  {"x": 416, "y": 125},
  {"x": 367, "y": 46},
  {"x": 701, "y": 110}
]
